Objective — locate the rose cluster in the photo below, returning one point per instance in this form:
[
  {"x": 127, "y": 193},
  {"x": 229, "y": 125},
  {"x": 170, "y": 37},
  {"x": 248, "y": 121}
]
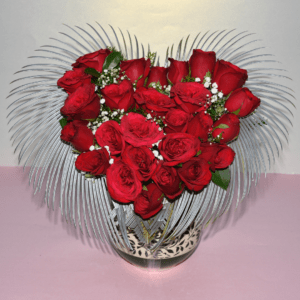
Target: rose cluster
[{"x": 153, "y": 131}]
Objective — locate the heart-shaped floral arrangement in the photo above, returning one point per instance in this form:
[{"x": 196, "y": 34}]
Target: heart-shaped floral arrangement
[{"x": 154, "y": 131}]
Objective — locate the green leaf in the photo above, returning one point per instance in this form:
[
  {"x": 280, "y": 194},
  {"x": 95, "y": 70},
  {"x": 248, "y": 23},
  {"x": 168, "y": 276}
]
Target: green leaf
[
  {"x": 112, "y": 60},
  {"x": 208, "y": 74},
  {"x": 92, "y": 71},
  {"x": 221, "y": 178},
  {"x": 145, "y": 188},
  {"x": 178, "y": 166},
  {"x": 198, "y": 153},
  {"x": 236, "y": 112},
  {"x": 63, "y": 122}
]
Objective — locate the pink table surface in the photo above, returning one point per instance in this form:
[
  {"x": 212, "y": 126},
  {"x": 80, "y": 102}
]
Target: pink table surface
[{"x": 249, "y": 253}]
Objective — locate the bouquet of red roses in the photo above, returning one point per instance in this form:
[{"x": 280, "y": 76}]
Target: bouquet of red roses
[{"x": 154, "y": 131}]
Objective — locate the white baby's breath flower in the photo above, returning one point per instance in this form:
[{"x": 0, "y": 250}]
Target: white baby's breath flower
[
  {"x": 207, "y": 79},
  {"x": 214, "y": 91},
  {"x": 92, "y": 148},
  {"x": 155, "y": 152},
  {"x": 206, "y": 84},
  {"x": 111, "y": 161},
  {"x": 102, "y": 101},
  {"x": 214, "y": 85},
  {"x": 197, "y": 79},
  {"x": 220, "y": 95}
]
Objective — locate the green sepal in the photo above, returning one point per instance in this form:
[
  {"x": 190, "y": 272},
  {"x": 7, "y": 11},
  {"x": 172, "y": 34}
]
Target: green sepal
[
  {"x": 112, "y": 60},
  {"x": 170, "y": 82},
  {"x": 221, "y": 178},
  {"x": 221, "y": 126},
  {"x": 89, "y": 176},
  {"x": 236, "y": 112},
  {"x": 63, "y": 122},
  {"x": 145, "y": 188},
  {"x": 162, "y": 195},
  {"x": 92, "y": 71},
  {"x": 198, "y": 153}
]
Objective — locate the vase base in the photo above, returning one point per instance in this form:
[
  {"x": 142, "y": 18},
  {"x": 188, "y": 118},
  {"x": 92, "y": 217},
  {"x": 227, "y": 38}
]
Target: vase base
[{"x": 156, "y": 264}]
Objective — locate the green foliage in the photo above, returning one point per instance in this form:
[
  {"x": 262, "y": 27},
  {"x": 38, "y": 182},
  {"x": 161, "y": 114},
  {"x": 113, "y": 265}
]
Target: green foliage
[
  {"x": 113, "y": 60},
  {"x": 221, "y": 178},
  {"x": 63, "y": 122},
  {"x": 92, "y": 71}
]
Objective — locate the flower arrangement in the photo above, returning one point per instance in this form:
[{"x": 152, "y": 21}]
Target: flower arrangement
[{"x": 154, "y": 131}]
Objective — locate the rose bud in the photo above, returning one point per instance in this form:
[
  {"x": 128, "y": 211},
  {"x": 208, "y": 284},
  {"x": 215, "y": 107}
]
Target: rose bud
[
  {"x": 228, "y": 76},
  {"x": 140, "y": 159},
  {"x": 138, "y": 132},
  {"x": 84, "y": 103},
  {"x": 178, "y": 148},
  {"x": 229, "y": 126},
  {"x": 149, "y": 202},
  {"x": 218, "y": 156},
  {"x": 77, "y": 133},
  {"x": 118, "y": 96},
  {"x": 178, "y": 70},
  {"x": 158, "y": 74},
  {"x": 168, "y": 181},
  {"x": 93, "y": 60},
  {"x": 109, "y": 134},
  {"x": 195, "y": 174},
  {"x": 202, "y": 62},
  {"x": 135, "y": 68},
  {"x": 73, "y": 79},
  {"x": 95, "y": 162},
  {"x": 200, "y": 126},
  {"x": 190, "y": 96},
  {"x": 242, "y": 101},
  {"x": 151, "y": 99},
  {"x": 177, "y": 120},
  {"x": 122, "y": 182}
]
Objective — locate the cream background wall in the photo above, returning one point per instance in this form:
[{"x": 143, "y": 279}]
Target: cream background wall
[{"x": 27, "y": 25}]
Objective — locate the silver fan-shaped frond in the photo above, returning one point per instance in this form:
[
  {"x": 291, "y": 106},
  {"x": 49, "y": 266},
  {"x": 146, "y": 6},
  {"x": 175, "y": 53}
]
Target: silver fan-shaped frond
[{"x": 35, "y": 115}]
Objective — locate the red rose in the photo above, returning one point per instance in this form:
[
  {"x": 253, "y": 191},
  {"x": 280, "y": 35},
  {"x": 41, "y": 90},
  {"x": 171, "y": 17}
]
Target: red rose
[
  {"x": 168, "y": 181},
  {"x": 77, "y": 133},
  {"x": 118, "y": 96},
  {"x": 190, "y": 96},
  {"x": 84, "y": 103},
  {"x": 231, "y": 130},
  {"x": 195, "y": 174},
  {"x": 242, "y": 99},
  {"x": 122, "y": 182},
  {"x": 178, "y": 147},
  {"x": 138, "y": 132},
  {"x": 109, "y": 134},
  {"x": 218, "y": 156},
  {"x": 158, "y": 74},
  {"x": 200, "y": 126},
  {"x": 228, "y": 76},
  {"x": 149, "y": 202},
  {"x": 140, "y": 159},
  {"x": 96, "y": 162},
  {"x": 201, "y": 62},
  {"x": 93, "y": 60},
  {"x": 177, "y": 121},
  {"x": 135, "y": 68},
  {"x": 178, "y": 70},
  {"x": 73, "y": 79},
  {"x": 151, "y": 99}
]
